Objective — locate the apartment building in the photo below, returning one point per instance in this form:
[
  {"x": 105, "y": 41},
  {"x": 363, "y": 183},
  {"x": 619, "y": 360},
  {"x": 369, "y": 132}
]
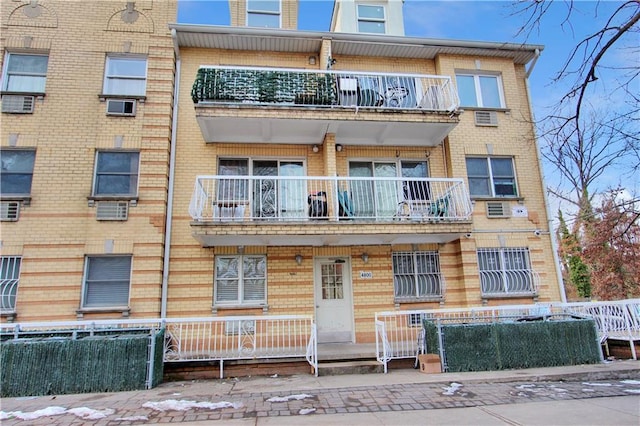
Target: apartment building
[
  {"x": 344, "y": 173},
  {"x": 334, "y": 174},
  {"x": 87, "y": 99}
]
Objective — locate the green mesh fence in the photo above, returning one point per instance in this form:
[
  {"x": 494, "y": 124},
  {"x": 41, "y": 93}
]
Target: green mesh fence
[
  {"x": 500, "y": 346},
  {"x": 92, "y": 364},
  {"x": 431, "y": 338},
  {"x": 263, "y": 86}
]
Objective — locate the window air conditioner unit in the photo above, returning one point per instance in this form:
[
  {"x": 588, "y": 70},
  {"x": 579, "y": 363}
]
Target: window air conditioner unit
[
  {"x": 18, "y": 104},
  {"x": 125, "y": 107},
  {"x": 9, "y": 210},
  {"x": 112, "y": 210},
  {"x": 498, "y": 209},
  {"x": 486, "y": 118}
]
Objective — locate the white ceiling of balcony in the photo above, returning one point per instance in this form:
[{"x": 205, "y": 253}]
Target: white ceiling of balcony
[
  {"x": 312, "y": 131},
  {"x": 285, "y": 239},
  {"x": 278, "y": 40}
]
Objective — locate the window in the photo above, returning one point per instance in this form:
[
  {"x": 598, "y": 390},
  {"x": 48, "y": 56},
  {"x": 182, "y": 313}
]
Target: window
[
  {"x": 125, "y": 76},
  {"x": 17, "y": 172},
  {"x": 263, "y": 13},
  {"x": 25, "y": 73},
  {"x": 380, "y": 198},
  {"x": 491, "y": 177},
  {"x": 271, "y": 197},
  {"x": 416, "y": 275},
  {"x": 107, "y": 281},
  {"x": 476, "y": 90},
  {"x": 240, "y": 280},
  {"x": 506, "y": 271},
  {"x": 371, "y": 19},
  {"x": 116, "y": 173},
  {"x": 9, "y": 278}
]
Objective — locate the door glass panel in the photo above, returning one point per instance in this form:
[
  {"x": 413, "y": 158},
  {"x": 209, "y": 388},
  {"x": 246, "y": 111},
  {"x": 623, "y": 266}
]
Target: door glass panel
[
  {"x": 413, "y": 190},
  {"x": 233, "y": 189},
  {"x": 332, "y": 284},
  {"x": 362, "y": 191},
  {"x": 386, "y": 191},
  {"x": 293, "y": 198},
  {"x": 264, "y": 191}
]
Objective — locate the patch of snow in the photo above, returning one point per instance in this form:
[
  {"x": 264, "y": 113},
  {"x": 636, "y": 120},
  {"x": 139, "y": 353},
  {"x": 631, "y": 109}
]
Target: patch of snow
[
  {"x": 588, "y": 390},
  {"x": 632, "y": 390},
  {"x": 132, "y": 419},
  {"x": 275, "y": 376},
  {"x": 630, "y": 382},
  {"x": 45, "y": 412},
  {"x": 452, "y": 389},
  {"x": 596, "y": 384},
  {"x": 90, "y": 414},
  {"x": 305, "y": 411},
  {"x": 297, "y": 397},
  {"x": 526, "y": 386},
  {"x": 183, "y": 405}
]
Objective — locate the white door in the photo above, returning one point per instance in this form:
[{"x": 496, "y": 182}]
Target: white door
[{"x": 334, "y": 308}]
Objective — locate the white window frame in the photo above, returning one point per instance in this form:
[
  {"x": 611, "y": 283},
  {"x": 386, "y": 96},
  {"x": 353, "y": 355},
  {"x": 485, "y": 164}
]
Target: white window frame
[
  {"x": 7, "y": 172},
  {"x": 478, "y": 90},
  {"x": 36, "y": 75},
  {"x": 491, "y": 178},
  {"x": 115, "y": 77},
  {"x": 496, "y": 281},
  {"x": 366, "y": 19},
  {"x": 263, "y": 12},
  {"x": 239, "y": 301},
  {"x": 9, "y": 281},
  {"x": 97, "y": 173},
  {"x": 416, "y": 276},
  {"x": 86, "y": 284}
]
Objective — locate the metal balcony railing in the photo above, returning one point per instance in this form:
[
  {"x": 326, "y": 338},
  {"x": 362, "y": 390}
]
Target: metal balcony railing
[
  {"x": 509, "y": 282},
  {"x": 269, "y": 86},
  {"x": 9, "y": 283},
  {"x": 310, "y": 198}
]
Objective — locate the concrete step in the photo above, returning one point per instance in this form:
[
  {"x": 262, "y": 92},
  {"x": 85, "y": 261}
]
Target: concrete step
[{"x": 349, "y": 367}]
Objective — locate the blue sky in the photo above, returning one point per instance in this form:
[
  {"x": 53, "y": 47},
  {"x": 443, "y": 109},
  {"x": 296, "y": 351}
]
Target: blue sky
[{"x": 471, "y": 20}]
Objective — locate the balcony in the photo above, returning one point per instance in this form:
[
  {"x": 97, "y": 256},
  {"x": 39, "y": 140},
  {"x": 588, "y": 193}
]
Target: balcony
[
  {"x": 306, "y": 210},
  {"x": 250, "y": 105}
]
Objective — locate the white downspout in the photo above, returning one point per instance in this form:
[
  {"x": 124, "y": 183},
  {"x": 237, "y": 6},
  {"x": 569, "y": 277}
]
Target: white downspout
[
  {"x": 545, "y": 196},
  {"x": 172, "y": 167}
]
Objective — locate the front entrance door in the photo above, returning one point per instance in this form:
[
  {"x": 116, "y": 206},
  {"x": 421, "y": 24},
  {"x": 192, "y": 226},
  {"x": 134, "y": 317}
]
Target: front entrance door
[{"x": 334, "y": 308}]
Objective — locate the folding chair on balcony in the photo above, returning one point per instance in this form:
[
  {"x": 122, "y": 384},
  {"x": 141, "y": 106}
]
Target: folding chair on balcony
[
  {"x": 439, "y": 208},
  {"x": 345, "y": 206}
]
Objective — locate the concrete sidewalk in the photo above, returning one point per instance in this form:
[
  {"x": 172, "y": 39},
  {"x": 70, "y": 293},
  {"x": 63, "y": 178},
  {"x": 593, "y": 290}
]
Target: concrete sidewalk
[{"x": 607, "y": 393}]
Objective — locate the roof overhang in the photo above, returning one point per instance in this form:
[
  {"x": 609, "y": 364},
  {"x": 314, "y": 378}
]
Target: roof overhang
[{"x": 279, "y": 40}]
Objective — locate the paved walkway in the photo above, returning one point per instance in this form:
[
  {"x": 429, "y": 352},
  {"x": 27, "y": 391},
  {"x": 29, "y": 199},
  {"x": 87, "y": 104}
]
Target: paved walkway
[{"x": 597, "y": 394}]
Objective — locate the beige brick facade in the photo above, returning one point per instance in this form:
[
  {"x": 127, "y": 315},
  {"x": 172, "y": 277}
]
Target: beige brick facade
[{"x": 58, "y": 229}]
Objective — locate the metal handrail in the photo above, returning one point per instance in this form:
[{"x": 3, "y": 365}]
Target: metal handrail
[
  {"x": 330, "y": 88},
  {"x": 302, "y": 198}
]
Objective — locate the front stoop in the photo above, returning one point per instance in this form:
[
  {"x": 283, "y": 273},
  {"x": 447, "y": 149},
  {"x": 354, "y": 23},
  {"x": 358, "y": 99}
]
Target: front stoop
[{"x": 349, "y": 367}]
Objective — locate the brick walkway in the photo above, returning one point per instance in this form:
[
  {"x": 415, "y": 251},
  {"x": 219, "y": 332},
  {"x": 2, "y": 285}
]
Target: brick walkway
[{"x": 216, "y": 401}]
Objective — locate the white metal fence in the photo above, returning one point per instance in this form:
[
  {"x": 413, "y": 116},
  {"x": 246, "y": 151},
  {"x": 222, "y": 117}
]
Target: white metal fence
[
  {"x": 304, "y": 198},
  {"x": 399, "y": 333},
  {"x": 253, "y": 85},
  {"x": 201, "y": 339}
]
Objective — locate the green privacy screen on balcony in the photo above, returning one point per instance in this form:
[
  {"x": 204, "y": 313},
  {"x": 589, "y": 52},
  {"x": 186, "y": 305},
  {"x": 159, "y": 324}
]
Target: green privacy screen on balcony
[
  {"x": 502, "y": 346},
  {"x": 62, "y": 365},
  {"x": 261, "y": 86}
]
